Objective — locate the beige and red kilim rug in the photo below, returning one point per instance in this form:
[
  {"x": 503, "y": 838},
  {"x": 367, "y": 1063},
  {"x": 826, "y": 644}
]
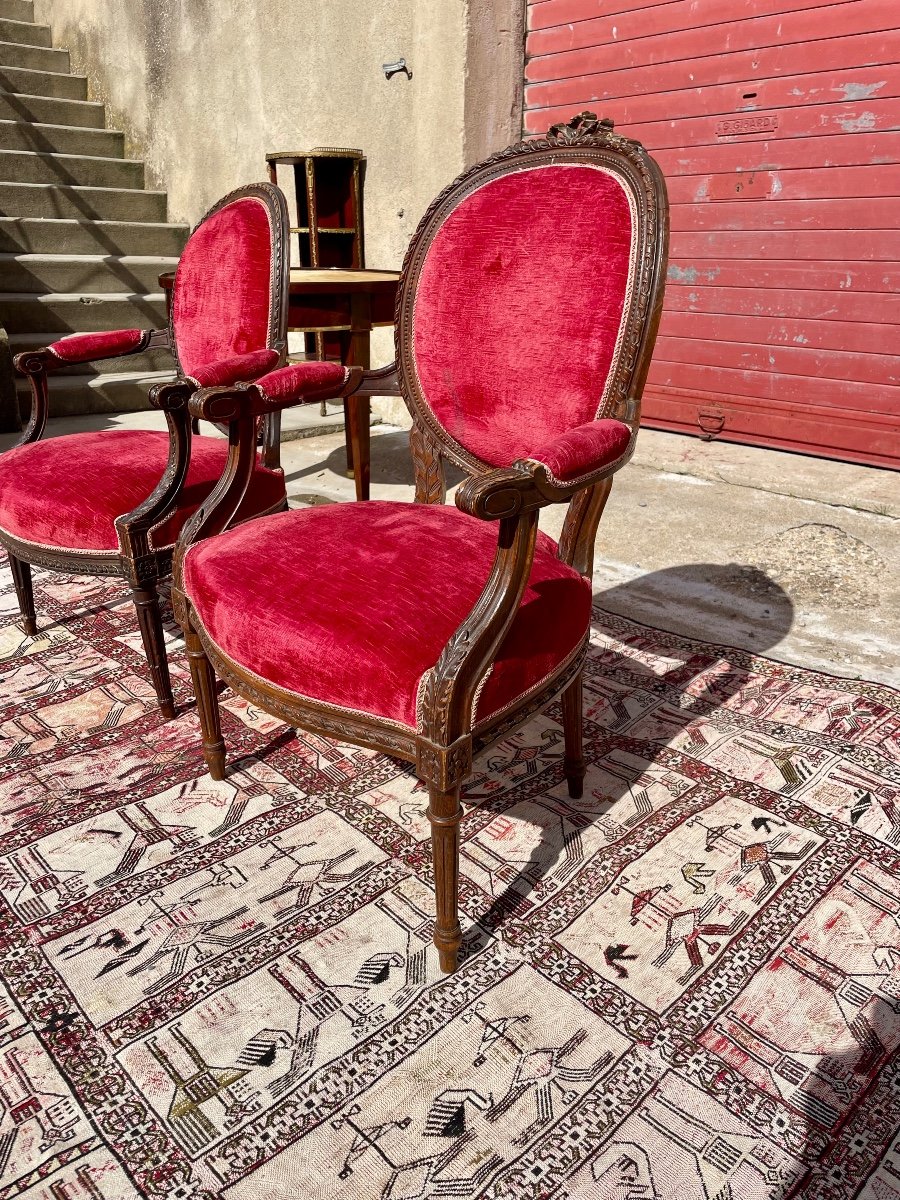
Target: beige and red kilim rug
[{"x": 685, "y": 986}]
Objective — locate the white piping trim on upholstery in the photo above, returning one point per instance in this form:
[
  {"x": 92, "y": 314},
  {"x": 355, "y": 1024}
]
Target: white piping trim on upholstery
[
  {"x": 477, "y": 696},
  {"x": 420, "y": 694},
  {"x": 59, "y": 549}
]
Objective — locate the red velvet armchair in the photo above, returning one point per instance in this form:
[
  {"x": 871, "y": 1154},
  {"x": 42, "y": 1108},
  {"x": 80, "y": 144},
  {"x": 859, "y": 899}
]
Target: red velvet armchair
[
  {"x": 113, "y": 502},
  {"x": 528, "y": 308}
]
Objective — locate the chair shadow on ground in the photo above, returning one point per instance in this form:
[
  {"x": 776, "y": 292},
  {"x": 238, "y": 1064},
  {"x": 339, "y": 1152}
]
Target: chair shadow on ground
[
  {"x": 563, "y": 820},
  {"x": 391, "y": 463}
]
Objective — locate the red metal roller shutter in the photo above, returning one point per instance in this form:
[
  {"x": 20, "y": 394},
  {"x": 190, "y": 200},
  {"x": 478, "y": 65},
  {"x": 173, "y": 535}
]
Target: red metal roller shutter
[{"x": 775, "y": 123}]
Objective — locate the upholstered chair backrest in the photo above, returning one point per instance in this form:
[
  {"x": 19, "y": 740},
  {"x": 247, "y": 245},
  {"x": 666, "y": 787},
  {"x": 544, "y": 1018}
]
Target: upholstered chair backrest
[
  {"x": 230, "y": 292},
  {"x": 525, "y": 295}
]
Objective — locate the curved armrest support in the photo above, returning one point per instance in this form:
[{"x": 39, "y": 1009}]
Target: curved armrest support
[
  {"x": 133, "y": 529},
  {"x": 79, "y": 348},
  {"x": 35, "y": 364},
  {"x": 220, "y": 507},
  {"x": 239, "y": 407},
  {"x": 383, "y": 381},
  {"x": 448, "y": 698}
]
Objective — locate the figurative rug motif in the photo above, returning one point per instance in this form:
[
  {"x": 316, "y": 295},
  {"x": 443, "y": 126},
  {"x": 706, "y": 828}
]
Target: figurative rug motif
[{"x": 685, "y": 985}]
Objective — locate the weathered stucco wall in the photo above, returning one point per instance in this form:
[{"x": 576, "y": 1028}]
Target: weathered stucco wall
[{"x": 203, "y": 88}]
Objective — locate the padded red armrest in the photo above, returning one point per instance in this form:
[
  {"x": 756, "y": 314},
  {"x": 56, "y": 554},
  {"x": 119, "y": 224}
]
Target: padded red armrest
[
  {"x": 242, "y": 368},
  {"x": 86, "y": 347},
  {"x": 583, "y": 450},
  {"x": 302, "y": 381}
]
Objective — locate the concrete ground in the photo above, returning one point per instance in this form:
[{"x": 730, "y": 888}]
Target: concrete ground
[{"x": 792, "y": 557}]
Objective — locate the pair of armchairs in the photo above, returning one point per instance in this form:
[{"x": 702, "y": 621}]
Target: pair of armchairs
[{"x": 527, "y": 312}]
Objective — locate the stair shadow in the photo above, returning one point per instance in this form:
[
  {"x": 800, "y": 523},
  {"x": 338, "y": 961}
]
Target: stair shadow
[{"x": 88, "y": 215}]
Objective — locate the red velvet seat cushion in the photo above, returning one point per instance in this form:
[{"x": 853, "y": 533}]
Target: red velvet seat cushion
[
  {"x": 352, "y": 603},
  {"x": 67, "y": 491}
]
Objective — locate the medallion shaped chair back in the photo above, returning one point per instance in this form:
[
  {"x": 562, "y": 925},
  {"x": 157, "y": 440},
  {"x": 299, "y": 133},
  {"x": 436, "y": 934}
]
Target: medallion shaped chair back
[
  {"x": 528, "y": 310},
  {"x": 113, "y": 502},
  {"x": 228, "y": 309}
]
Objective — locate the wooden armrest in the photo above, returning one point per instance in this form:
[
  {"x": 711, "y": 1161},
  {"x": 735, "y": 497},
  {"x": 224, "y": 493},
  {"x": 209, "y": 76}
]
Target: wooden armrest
[
  {"x": 529, "y": 484},
  {"x": 383, "y": 381},
  {"x": 284, "y": 388},
  {"x": 79, "y": 348},
  {"x": 91, "y": 347}
]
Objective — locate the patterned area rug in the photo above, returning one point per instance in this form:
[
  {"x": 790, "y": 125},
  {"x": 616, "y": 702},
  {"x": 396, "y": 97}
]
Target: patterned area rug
[{"x": 685, "y": 986}]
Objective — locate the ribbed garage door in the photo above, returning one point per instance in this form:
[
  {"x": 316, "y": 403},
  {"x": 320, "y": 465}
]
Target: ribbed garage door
[{"x": 775, "y": 122}]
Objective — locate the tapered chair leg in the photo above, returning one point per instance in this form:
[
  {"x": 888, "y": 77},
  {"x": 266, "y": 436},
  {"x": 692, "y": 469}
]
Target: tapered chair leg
[
  {"x": 146, "y": 603},
  {"x": 204, "y": 681},
  {"x": 21, "y": 573},
  {"x": 444, "y": 813},
  {"x": 573, "y": 722}
]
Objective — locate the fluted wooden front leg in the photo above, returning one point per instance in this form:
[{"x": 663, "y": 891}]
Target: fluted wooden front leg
[
  {"x": 21, "y": 573},
  {"x": 573, "y": 723},
  {"x": 204, "y": 680},
  {"x": 146, "y": 603},
  {"x": 444, "y": 812}
]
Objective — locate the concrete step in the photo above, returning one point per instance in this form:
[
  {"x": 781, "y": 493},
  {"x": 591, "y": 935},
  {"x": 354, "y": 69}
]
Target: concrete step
[
  {"x": 85, "y": 114},
  {"x": 37, "y": 137},
  {"x": 24, "y": 33},
  {"x": 77, "y": 170},
  {"x": 17, "y": 10},
  {"x": 43, "y": 83},
  {"x": 73, "y": 273},
  {"x": 144, "y": 363},
  {"x": 33, "y": 235},
  {"x": 33, "y": 58},
  {"x": 73, "y": 395},
  {"x": 66, "y": 312},
  {"x": 84, "y": 203}
]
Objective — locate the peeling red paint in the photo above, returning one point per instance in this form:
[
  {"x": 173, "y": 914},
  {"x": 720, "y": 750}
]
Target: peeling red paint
[{"x": 777, "y": 130}]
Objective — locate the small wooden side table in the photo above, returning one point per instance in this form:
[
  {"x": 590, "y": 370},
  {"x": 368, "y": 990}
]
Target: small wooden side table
[{"x": 352, "y": 302}]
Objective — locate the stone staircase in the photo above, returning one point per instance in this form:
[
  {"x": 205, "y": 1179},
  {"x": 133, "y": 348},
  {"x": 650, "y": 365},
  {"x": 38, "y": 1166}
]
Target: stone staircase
[{"x": 82, "y": 242}]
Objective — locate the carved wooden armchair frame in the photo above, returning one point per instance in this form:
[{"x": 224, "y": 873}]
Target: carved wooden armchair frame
[
  {"x": 443, "y": 745},
  {"x": 137, "y": 559}
]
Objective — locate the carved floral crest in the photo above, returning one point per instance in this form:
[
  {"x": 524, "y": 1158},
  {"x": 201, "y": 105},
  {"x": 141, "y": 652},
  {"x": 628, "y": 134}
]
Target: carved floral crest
[{"x": 582, "y": 127}]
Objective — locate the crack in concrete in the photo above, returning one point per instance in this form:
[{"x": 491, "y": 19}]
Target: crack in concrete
[{"x": 716, "y": 477}]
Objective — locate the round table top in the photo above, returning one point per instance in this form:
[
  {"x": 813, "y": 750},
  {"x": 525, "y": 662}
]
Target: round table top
[
  {"x": 342, "y": 278},
  {"x": 326, "y": 279}
]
